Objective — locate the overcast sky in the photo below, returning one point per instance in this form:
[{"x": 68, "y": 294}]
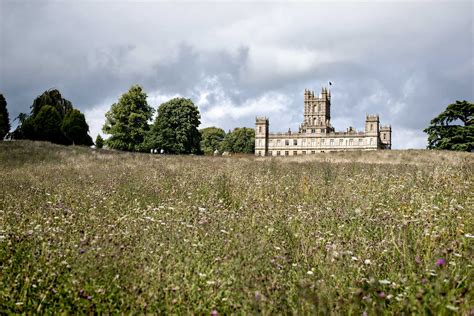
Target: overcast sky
[{"x": 404, "y": 60}]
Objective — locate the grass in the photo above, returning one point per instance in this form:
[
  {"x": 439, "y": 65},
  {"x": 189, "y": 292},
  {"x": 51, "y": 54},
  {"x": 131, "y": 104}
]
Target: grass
[{"x": 96, "y": 231}]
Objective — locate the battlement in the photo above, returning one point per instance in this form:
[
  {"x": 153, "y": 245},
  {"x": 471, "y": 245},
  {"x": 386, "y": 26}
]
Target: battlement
[
  {"x": 324, "y": 95},
  {"x": 372, "y": 118},
  {"x": 261, "y": 120},
  {"x": 387, "y": 128}
]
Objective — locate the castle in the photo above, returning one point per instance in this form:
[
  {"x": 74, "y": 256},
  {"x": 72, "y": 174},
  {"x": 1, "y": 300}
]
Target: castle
[{"x": 316, "y": 133}]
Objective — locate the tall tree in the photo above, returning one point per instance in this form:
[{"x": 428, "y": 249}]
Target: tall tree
[
  {"x": 127, "y": 121},
  {"x": 176, "y": 128},
  {"x": 240, "y": 140},
  {"x": 75, "y": 128},
  {"x": 53, "y": 118},
  {"x": 443, "y": 134},
  {"x": 4, "y": 118},
  {"x": 211, "y": 139}
]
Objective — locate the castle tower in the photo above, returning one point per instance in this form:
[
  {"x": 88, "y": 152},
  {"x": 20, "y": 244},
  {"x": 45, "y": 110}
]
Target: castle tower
[
  {"x": 317, "y": 111},
  {"x": 372, "y": 130},
  {"x": 261, "y": 136},
  {"x": 386, "y": 136}
]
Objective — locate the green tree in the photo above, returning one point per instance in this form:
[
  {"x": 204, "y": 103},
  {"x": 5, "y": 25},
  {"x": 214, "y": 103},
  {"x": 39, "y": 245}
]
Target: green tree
[
  {"x": 442, "y": 134},
  {"x": 127, "y": 121},
  {"x": 240, "y": 140},
  {"x": 47, "y": 125},
  {"x": 211, "y": 139},
  {"x": 52, "y": 98},
  {"x": 99, "y": 141},
  {"x": 176, "y": 128},
  {"x": 4, "y": 118},
  {"x": 75, "y": 128},
  {"x": 71, "y": 126}
]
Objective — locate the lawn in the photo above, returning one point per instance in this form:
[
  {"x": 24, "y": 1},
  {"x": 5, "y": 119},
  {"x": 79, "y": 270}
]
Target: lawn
[{"x": 94, "y": 231}]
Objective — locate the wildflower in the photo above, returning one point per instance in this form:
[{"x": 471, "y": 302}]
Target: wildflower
[
  {"x": 310, "y": 272},
  {"x": 257, "y": 296},
  {"x": 214, "y": 313},
  {"x": 354, "y": 258},
  {"x": 381, "y": 294},
  {"x": 384, "y": 282},
  {"x": 440, "y": 262},
  {"x": 367, "y": 262}
]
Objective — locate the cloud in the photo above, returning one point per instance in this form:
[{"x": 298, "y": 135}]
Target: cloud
[{"x": 240, "y": 60}]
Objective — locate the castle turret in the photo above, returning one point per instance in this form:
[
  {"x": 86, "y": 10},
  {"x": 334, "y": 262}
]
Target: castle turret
[
  {"x": 386, "y": 136},
  {"x": 261, "y": 136},
  {"x": 372, "y": 131}
]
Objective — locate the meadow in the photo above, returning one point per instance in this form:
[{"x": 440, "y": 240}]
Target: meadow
[{"x": 362, "y": 233}]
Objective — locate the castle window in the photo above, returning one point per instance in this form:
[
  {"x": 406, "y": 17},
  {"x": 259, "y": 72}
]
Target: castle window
[
  {"x": 360, "y": 141},
  {"x": 287, "y": 153},
  {"x": 313, "y": 130},
  {"x": 341, "y": 142},
  {"x": 323, "y": 141},
  {"x": 332, "y": 142},
  {"x": 278, "y": 153},
  {"x": 269, "y": 152},
  {"x": 295, "y": 142},
  {"x": 351, "y": 142},
  {"x": 278, "y": 142},
  {"x": 287, "y": 142},
  {"x": 303, "y": 142},
  {"x": 384, "y": 136},
  {"x": 304, "y": 152},
  {"x": 260, "y": 143},
  {"x": 313, "y": 141},
  {"x": 295, "y": 153},
  {"x": 313, "y": 152},
  {"x": 259, "y": 129},
  {"x": 371, "y": 127},
  {"x": 322, "y": 130},
  {"x": 371, "y": 141}
]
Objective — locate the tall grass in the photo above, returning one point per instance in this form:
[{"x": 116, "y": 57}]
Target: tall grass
[{"x": 98, "y": 231}]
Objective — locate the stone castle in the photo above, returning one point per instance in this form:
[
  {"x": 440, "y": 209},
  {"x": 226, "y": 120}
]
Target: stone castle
[{"x": 316, "y": 133}]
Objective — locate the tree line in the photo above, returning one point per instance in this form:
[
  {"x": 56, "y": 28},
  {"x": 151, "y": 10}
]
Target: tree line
[
  {"x": 175, "y": 128},
  {"x": 129, "y": 126}
]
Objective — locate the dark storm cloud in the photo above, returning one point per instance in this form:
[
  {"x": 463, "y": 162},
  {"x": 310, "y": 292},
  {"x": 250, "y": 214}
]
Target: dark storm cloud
[{"x": 404, "y": 61}]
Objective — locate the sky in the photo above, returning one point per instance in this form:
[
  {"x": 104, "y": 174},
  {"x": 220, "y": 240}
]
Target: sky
[{"x": 403, "y": 60}]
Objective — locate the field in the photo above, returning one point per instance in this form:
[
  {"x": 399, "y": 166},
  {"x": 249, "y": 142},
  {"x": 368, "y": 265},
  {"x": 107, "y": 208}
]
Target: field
[{"x": 95, "y": 231}]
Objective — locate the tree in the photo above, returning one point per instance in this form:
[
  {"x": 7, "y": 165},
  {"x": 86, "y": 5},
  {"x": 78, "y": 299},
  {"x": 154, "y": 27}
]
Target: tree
[
  {"x": 175, "y": 128},
  {"x": 4, "y": 118},
  {"x": 75, "y": 128},
  {"x": 211, "y": 139},
  {"x": 53, "y": 98},
  {"x": 240, "y": 140},
  {"x": 127, "y": 121},
  {"x": 53, "y": 118},
  {"x": 99, "y": 141},
  {"x": 47, "y": 125},
  {"x": 444, "y": 135}
]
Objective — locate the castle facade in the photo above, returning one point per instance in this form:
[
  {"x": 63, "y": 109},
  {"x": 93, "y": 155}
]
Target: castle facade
[{"x": 316, "y": 133}]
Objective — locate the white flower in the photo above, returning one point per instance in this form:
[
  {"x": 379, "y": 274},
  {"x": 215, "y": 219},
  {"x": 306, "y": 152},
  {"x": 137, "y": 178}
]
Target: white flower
[
  {"x": 310, "y": 272},
  {"x": 354, "y": 258},
  {"x": 384, "y": 282},
  {"x": 469, "y": 236},
  {"x": 367, "y": 261}
]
